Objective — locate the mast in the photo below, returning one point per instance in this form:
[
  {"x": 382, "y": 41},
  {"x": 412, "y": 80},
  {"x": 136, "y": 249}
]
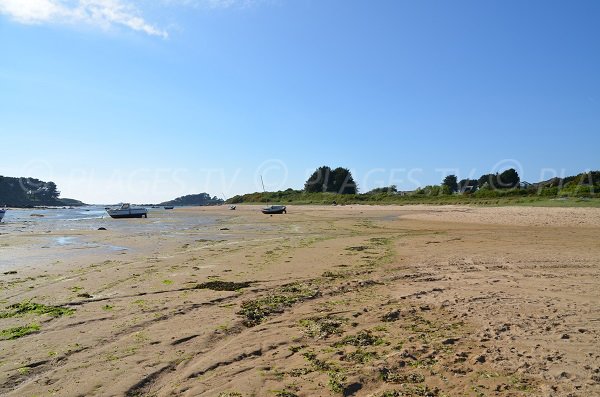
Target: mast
[{"x": 263, "y": 186}]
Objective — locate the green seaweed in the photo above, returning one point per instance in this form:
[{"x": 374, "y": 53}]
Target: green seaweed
[
  {"x": 391, "y": 376},
  {"x": 323, "y": 327},
  {"x": 28, "y": 307},
  {"x": 284, "y": 393},
  {"x": 223, "y": 285},
  {"x": 360, "y": 356},
  {"x": 255, "y": 311},
  {"x": 18, "y": 332},
  {"x": 363, "y": 338}
]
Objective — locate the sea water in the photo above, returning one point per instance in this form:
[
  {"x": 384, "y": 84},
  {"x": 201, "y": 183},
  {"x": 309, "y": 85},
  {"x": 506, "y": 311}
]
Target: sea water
[{"x": 38, "y": 237}]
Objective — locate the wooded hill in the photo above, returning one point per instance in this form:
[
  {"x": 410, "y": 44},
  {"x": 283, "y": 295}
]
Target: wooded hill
[{"x": 31, "y": 192}]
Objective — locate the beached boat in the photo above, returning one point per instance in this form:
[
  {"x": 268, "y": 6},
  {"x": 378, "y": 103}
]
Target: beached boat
[
  {"x": 274, "y": 209},
  {"x": 2, "y": 212},
  {"x": 127, "y": 211},
  {"x": 168, "y": 207}
]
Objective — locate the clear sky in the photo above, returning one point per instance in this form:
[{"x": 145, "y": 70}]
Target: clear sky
[{"x": 143, "y": 101}]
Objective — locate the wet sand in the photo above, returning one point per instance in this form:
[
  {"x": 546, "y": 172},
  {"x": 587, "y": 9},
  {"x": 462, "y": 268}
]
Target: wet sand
[{"x": 353, "y": 300}]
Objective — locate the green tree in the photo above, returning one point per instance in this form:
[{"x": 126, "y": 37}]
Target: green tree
[
  {"x": 343, "y": 182},
  {"x": 48, "y": 192},
  {"x": 488, "y": 180},
  {"x": 508, "y": 179},
  {"x": 451, "y": 182},
  {"x": 319, "y": 181},
  {"x": 324, "y": 179},
  {"x": 468, "y": 185}
]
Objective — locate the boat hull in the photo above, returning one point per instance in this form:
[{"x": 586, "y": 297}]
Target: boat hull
[
  {"x": 121, "y": 216},
  {"x": 274, "y": 210},
  {"x": 128, "y": 213}
]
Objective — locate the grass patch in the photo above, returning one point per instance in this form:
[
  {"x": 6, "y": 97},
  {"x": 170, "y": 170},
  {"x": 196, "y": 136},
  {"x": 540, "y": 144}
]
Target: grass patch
[
  {"x": 223, "y": 285},
  {"x": 18, "y": 332},
  {"x": 28, "y": 307},
  {"x": 167, "y": 282}
]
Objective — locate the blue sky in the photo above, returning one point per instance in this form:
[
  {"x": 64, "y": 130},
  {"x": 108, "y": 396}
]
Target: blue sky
[{"x": 142, "y": 101}]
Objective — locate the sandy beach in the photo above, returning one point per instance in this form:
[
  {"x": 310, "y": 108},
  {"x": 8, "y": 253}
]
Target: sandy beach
[{"x": 322, "y": 301}]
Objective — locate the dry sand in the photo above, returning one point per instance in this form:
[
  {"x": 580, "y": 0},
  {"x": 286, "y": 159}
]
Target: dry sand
[{"x": 354, "y": 300}]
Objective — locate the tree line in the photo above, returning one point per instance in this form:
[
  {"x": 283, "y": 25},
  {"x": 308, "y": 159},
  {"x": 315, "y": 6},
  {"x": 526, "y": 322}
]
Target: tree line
[
  {"x": 327, "y": 185},
  {"x": 508, "y": 179}
]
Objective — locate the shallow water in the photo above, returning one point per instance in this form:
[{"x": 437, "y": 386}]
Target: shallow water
[
  {"x": 93, "y": 217},
  {"x": 54, "y": 235}
]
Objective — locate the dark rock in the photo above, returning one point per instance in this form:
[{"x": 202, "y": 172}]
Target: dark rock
[
  {"x": 565, "y": 336},
  {"x": 101, "y": 228}
]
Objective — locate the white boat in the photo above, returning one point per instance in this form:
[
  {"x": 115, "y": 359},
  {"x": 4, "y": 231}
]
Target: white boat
[
  {"x": 2, "y": 212},
  {"x": 127, "y": 211}
]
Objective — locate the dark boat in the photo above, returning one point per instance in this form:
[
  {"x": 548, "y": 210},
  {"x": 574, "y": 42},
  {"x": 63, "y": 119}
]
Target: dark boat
[
  {"x": 274, "y": 209},
  {"x": 168, "y": 207},
  {"x": 126, "y": 211}
]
